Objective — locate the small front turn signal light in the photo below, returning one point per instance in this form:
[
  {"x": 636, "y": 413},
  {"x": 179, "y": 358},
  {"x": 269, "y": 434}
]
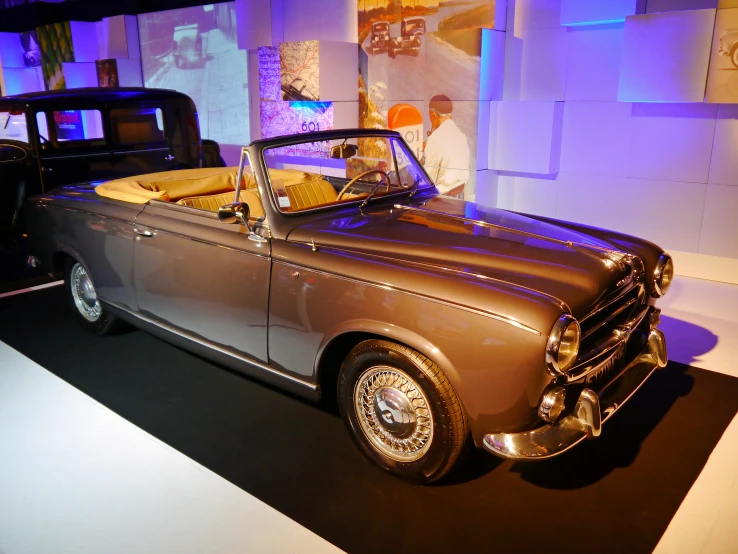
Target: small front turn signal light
[{"x": 552, "y": 404}]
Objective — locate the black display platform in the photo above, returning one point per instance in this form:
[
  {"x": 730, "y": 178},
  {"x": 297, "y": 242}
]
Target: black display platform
[{"x": 614, "y": 494}]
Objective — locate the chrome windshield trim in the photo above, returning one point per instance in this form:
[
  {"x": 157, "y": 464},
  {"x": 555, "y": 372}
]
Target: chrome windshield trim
[
  {"x": 492, "y": 315},
  {"x": 213, "y": 346},
  {"x": 568, "y": 243}
]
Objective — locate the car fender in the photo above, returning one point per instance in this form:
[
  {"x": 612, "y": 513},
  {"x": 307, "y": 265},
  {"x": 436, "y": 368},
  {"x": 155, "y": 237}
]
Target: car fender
[{"x": 391, "y": 332}]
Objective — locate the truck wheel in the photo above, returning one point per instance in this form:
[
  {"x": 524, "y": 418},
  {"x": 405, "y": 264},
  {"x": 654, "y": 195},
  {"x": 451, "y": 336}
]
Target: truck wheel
[
  {"x": 83, "y": 298},
  {"x": 734, "y": 56},
  {"x": 178, "y": 61},
  {"x": 401, "y": 411},
  {"x": 392, "y": 53}
]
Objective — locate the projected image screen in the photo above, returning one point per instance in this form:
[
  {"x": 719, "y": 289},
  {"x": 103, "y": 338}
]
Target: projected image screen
[{"x": 194, "y": 50}]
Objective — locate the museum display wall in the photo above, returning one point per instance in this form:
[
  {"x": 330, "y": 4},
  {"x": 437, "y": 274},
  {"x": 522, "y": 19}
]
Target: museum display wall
[{"x": 618, "y": 114}]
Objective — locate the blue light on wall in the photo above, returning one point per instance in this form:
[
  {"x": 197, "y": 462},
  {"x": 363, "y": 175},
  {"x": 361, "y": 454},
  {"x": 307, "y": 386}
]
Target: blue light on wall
[{"x": 589, "y": 23}]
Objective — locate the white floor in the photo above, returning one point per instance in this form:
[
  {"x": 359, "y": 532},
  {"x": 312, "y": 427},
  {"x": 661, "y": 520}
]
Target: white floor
[
  {"x": 77, "y": 478},
  {"x": 700, "y": 319},
  {"x": 59, "y": 449}
]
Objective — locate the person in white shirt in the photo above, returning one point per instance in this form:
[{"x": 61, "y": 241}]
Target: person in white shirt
[{"x": 446, "y": 154}]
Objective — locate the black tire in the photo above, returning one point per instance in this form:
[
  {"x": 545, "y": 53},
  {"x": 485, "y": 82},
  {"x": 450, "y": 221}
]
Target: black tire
[
  {"x": 392, "y": 53},
  {"x": 178, "y": 62},
  {"x": 442, "y": 449},
  {"x": 106, "y": 323}
]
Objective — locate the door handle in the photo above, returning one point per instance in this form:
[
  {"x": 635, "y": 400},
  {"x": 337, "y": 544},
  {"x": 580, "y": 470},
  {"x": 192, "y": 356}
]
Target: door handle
[
  {"x": 169, "y": 158},
  {"x": 143, "y": 232}
]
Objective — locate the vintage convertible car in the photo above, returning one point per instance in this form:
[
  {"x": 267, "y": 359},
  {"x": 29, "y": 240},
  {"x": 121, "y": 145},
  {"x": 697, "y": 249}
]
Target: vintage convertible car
[{"x": 340, "y": 270}]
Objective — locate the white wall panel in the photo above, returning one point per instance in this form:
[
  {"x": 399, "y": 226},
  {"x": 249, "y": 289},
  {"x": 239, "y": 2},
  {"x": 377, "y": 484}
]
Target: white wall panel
[
  {"x": 11, "y": 51},
  {"x": 596, "y": 138},
  {"x": 665, "y": 56},
  {"x": 112, "y": 37},
  {"x": 129, "y": 72},
  {"x": 84, "y": 40},
  {"x": 529, "y": 136},
  {"x": 19, "y": 80},
  {"x": 536, "y": 65},
  {"x": 320, "y": 20},
  {"x": 80, "y": 74},
  {"x": 719, "y": 236},
  {"x": 664, "y": 212},
  {"x": 653, "y": 6},
  {"x": 672, "y": 141},
  {"x": 724, "y": 161},
  {"x": 486, "y": 188},
  {"x": 506, "y": 192},
  {"x": 254, "y": 21},
  {"x": 587, "y": 12},
  {"x": 535, "y": 196},
  {"x": 345, "y": 115},
  {"x": 533, "y": 14},
  {"x": 593, "y": 62}
]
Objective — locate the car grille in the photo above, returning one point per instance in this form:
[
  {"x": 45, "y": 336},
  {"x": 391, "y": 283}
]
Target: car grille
[{"x": 601, "y": 349}]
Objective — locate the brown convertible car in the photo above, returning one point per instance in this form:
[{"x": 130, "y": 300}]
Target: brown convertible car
[{"x": 328, "y": 264}]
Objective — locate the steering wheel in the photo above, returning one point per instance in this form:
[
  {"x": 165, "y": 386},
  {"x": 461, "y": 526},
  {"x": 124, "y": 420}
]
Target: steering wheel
[{"x": 385, "y": 177}]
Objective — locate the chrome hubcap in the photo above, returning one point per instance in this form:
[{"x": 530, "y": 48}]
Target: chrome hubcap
[
  {"x": 393, "y": 413},
  {"x": 84, "y": 295}
]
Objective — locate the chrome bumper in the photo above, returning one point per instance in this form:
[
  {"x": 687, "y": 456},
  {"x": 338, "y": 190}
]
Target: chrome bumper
[{"x": 590, "y": 412}]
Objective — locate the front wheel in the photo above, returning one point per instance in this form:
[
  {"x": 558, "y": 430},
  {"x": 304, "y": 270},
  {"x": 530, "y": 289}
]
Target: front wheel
[
  {"x": 734, "y": 56},
  {"x": 401, "y": 411},
  {"x": 83, "y": 298}
]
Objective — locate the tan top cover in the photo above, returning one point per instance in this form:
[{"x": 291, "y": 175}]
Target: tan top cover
[{"x": 170, "y": 186}]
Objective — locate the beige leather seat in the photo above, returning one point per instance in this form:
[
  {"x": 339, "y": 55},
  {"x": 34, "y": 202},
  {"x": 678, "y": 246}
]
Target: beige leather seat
[
  {"x": 310, "y": 193},
  {"x": 214, "y": 201}
]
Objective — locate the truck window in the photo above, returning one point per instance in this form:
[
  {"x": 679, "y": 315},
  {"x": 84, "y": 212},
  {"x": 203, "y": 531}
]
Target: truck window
[
  {"x": 137, "y": 126},
  {"x": 13, "y": 126}
]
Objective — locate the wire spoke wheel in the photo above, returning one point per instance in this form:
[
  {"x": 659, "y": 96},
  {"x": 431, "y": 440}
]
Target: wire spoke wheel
[
  {"x": 394, "y": 413},
  {"x": 84, "y": 295}
]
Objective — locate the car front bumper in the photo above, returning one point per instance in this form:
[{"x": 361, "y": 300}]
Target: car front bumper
[{"x": 590, "y": 411}]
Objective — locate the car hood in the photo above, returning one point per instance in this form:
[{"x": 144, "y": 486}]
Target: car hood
[{"x": 445, "y": 233}]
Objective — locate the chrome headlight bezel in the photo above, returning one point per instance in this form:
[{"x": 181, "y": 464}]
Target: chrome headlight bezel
[
  {"x": 554, "y": 342},
  {"x": 662, "y": 267}
]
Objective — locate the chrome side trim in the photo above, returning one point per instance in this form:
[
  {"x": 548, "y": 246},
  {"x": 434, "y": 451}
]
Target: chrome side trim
[
  {"x": 210, "y": 243},
  {"x": 570, "y": 244},
  {"x": 492, "y": 315},
  {"x": 213, "y": 346}
]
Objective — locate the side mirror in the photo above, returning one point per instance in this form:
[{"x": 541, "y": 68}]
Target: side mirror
[
  {"x": 343, "y": 151},
  {"x": 234, "y": 213}
]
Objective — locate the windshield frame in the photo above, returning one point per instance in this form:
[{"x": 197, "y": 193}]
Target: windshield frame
[
  {"x": 291, "y": 140},
  {"x": 7, "y": 108}
]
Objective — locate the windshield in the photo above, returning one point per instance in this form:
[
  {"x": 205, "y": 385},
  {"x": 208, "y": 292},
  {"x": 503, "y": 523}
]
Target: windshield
[
  {"x": 378, "y": 27},
  {"x": 13, "y": 127},
  {"x": 319, "y": 174}
]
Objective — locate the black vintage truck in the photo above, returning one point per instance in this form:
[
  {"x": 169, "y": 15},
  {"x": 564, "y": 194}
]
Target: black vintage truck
[{"x": 55, "y": 138}]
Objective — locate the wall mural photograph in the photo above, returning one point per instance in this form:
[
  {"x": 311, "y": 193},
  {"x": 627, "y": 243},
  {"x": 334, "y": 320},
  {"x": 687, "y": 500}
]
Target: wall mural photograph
[
  {"x": 722, "y": 80},
  {"x": 420, "y": 73},
  {"x": 194, "y": 51}
]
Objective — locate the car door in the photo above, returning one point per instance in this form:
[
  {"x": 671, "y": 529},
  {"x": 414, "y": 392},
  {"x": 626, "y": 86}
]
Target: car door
[{"x": 201, "y": 277}]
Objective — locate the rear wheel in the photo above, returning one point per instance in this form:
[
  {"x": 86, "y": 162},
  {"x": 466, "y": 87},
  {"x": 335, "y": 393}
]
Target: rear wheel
[
  {"x": 83, "y": 298},
  {"x": 401, "y": 411}
]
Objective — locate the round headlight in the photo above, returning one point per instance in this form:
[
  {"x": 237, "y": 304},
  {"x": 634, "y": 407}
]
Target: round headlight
[
  {"x": 663, "y": 275},
  {"x": 563, "y": 345}
]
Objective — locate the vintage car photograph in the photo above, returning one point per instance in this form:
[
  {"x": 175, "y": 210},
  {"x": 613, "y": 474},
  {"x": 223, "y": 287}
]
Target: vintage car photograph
[
  {"x": 187, "y": 46},
  {"x": 380, "y": 39},
  {"x": 450, "y": 324},
  {"x": 408, "y": 42}
]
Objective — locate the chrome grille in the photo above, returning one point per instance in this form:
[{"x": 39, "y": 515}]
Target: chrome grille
[{"x": 602, "y": 337}]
